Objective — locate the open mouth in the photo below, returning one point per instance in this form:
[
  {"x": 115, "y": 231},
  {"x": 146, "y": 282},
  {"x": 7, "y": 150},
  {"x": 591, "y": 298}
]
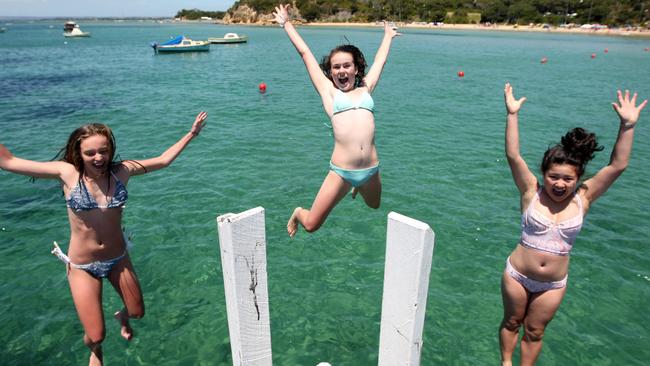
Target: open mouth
[
  {"x": 98, "y": 165},
  {"x": 558, "y": 192},
  {"x": 343, "y": 80}
]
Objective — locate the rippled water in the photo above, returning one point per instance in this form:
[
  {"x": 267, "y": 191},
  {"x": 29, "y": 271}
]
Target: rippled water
[{"x": 440, "y": 141}]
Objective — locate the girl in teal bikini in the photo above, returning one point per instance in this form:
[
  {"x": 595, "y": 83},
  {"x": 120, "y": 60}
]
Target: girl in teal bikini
[
  {"x": 345, "y": 90},
  {"x": 95, "y": 190}
]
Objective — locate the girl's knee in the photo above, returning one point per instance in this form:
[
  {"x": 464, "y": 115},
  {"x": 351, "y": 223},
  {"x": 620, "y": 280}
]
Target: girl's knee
[
  {"x": 310, "y": 226},
  {"x": 374, "y": 205},
  {"x": 533, "y": 333},
  {"x": 511, "y": 324},
  {"x": 94, "y": 338},
  {"x": 136, "y": 312}
]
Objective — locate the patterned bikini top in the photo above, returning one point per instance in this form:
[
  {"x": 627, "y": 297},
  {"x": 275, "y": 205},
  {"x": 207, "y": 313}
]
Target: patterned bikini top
[
  {"x": 342, "y": 102},
  {"x": 81, "y": 200},
  {"x": 540, "y": 233}
]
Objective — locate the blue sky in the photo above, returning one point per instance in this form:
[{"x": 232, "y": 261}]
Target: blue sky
[{"x": 105, "y": 8}]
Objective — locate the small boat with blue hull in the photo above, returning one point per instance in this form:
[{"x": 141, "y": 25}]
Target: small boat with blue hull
[{"x": 181, "y": 44}]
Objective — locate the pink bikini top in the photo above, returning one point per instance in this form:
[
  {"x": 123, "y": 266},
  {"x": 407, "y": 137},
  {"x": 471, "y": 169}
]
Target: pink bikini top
[{"x": 540, "y": 233}]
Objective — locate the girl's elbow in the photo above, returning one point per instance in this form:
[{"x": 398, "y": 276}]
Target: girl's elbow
[
  {"x": 619, "y": 167},
  {"x": 512, "y": 156}
]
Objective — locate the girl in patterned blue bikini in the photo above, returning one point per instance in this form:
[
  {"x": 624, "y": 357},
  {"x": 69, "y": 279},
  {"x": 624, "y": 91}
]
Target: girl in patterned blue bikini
[
  {"x": 534, "y": 281},
  {"x": 345, "y": 90},
  {"x": 95, "y": 190}
]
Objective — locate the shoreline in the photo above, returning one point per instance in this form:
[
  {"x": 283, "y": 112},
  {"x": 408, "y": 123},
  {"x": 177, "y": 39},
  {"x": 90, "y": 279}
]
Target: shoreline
[{"x": 492, "y": 28}]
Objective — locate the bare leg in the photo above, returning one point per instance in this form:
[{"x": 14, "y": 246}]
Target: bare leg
[
  {"x": 371, "y": 191},
  {"x": 541, "y": 310},
  {"x": 87, "y": 297},
  {"x": 515, "y": 302},
  {"x": 125, "y": 282},
  {"x": 333, "y": 189}
]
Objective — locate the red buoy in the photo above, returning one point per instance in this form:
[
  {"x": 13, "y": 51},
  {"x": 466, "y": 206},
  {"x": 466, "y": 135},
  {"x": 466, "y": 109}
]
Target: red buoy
[
  {"x": 646, "y": 49},
  {"x": 593, "y": 55},
  {"x": 606, "y": 50},
  {"x": 543, "y": 60},
  {"x": 461, "y": 74},
  {"x": 262, "y": 88}
]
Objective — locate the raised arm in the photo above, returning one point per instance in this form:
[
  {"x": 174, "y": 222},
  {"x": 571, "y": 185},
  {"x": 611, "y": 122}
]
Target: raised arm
[
  {"x": 137, "y": 167},
  {"x": 525, "y": 180},
  {"x": 318, "y": 78},
  {"x": 628, "y": 112},
  {"x": 372, "y": 77},
  {"x": 46, "y": 170}
]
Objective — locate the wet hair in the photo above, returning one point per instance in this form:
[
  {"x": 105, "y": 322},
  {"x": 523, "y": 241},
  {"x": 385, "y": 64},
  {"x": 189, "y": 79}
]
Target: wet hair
[
  {"x": 576, "y": 148},
  {"x": 357, "y": 57},
  {"x": 71, "y": 153}
]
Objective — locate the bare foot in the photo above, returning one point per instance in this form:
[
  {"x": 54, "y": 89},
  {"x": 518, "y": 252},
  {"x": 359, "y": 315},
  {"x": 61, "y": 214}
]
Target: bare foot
[
  {"x": 96, "y": 357},
  {"x": 292, "y": 225},
  {"x": 126, "y": 331},
  {"x": 354, "y": 192}
]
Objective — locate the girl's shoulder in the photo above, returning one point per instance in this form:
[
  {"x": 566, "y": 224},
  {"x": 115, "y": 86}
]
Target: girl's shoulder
[{"x": 120, "y": 170}]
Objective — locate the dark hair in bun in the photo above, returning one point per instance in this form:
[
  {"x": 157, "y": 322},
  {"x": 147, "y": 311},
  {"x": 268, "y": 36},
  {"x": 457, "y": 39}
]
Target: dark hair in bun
[{"x": 577, "y": 148}]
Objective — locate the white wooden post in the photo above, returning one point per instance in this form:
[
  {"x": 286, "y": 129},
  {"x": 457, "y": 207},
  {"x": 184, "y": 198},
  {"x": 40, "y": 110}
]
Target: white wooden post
[
  {"x": 242, "y": 239},
  {"x": 409, "y": 251}
]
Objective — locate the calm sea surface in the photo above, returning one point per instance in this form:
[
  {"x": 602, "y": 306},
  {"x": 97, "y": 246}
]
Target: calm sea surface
[{"x": 440, "y": 141}]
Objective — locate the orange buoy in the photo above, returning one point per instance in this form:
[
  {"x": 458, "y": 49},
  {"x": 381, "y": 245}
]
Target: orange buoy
[
  {"x": 461, "y": 74},
  {"x": 543, "y": 60},
  {"x": 593, "y": 55},
  {"x": 262, "y": 88}
]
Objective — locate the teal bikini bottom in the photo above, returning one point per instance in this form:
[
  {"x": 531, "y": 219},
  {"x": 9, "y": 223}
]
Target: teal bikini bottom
[{"x": 356, "y": 177}]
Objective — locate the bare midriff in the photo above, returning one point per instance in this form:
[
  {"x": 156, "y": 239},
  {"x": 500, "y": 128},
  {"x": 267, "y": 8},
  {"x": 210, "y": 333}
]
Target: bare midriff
[
  {"x": 95, "y": 235},
  {"x": 354, "y": 139},
  {"x": 539, "y": 265}
]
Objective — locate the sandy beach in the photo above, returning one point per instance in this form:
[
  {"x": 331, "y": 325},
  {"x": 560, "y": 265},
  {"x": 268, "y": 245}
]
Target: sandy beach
[{"x": 644, "y": 33}]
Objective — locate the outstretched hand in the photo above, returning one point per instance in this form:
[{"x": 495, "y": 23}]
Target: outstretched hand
[
  {"x": 281, "y": 14},
  {"x": 390, "y": 29},
  {"x": 198, "y": 123},
  {"x": 626, "y": 108},
  {"x": 512, "y": 105}
]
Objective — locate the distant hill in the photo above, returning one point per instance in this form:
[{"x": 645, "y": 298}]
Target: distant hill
[
  {"x": 611, "y": 12},
  {"x": 194, "y": 14}
]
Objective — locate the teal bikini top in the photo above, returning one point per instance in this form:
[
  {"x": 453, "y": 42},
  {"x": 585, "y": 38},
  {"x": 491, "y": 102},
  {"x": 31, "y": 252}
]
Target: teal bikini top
[{"x": 343, "y": 103}]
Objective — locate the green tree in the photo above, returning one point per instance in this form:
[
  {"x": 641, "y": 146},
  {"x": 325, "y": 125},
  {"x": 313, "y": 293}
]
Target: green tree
[
  {"x": 522, "y": 13},
  {"x": 495, "y": 11}
]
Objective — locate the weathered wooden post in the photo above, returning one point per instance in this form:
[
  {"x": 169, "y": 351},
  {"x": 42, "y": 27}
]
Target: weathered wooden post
[
  {"x": 409, "y": 251},
  {"x": 242, "y": 238}
]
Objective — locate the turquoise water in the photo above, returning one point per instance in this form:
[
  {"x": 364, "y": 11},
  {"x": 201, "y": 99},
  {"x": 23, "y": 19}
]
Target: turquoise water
[{"x": 440, "y": 141}]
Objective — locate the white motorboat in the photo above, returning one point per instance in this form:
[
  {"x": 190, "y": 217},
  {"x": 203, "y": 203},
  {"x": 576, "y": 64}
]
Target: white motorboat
[{"x": 71, "y": 29}]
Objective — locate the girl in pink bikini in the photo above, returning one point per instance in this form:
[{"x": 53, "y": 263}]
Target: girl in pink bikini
[{"x": 534, "y": 281}]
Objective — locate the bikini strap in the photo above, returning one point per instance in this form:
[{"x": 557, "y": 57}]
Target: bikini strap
[
  {"x": 579, "y": 200},
  {"x": 535, "y": 198}
]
